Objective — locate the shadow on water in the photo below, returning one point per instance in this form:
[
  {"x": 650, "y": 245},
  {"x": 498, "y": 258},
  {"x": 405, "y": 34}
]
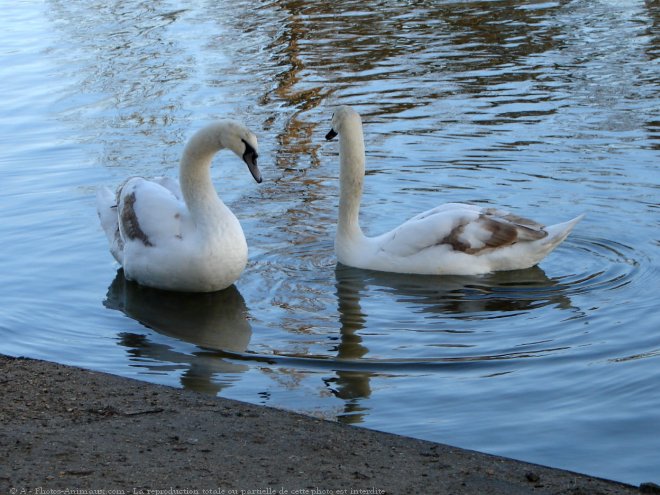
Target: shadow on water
[
  {"x": 460, "y": 296},
  {"x": 446, "y": 326},
  {"x": 213, "y": 322}
]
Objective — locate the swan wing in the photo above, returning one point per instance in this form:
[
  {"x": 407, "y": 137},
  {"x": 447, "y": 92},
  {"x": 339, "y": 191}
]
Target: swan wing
[
  {"x": 462, "y": 228},
  {"x": 170, "y": 184},
  {"x": 150, "y": 213}
]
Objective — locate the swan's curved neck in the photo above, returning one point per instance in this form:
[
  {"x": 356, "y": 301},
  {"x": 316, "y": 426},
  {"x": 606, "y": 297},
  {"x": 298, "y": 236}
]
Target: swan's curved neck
[
  {"x": 195, "y": 174},
  {"x": 351, "y": 178}
]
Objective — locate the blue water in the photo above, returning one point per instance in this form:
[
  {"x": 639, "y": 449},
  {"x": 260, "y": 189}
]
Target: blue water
[{"x": 547, "y": 109}]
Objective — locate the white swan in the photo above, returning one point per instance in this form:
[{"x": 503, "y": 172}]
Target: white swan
[
  {"x": 181, "y": 238},
  {"x": 451, "y": 239}
]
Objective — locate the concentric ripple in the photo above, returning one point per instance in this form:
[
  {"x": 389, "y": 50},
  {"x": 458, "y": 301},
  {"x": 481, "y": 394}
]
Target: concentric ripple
[
  {"x": 603, "y": 265},
  {"x": 446, "y": 322}
]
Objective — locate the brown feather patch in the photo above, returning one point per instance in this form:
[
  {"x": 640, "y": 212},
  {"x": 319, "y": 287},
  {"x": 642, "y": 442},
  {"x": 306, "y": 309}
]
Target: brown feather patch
[
  {"x": 130, "y": 221},
  {"x": 501, "y": 233},
  {"x": 453, "y": 240},
  {"x": 528, "y": 230}
]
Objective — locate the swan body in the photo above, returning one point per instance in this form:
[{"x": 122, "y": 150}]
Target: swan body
[
  {"x": 180, "y": 235},
  {"x": 451, "y": 239}
]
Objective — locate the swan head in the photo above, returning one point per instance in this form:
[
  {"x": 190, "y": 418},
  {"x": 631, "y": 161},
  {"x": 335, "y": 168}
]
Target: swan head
[
  {"x": 239, "y": 139},
  {"x": 342, "y": 117}
]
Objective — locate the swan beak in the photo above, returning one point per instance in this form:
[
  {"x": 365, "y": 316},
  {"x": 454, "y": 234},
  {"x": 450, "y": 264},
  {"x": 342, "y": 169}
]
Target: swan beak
[
  {"x": 250, "y": 159},
  {"x": 331, "y": 134},
  {"x": 254, "y": 170}
]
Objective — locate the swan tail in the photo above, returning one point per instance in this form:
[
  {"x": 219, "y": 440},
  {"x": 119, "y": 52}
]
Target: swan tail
[
  {"x": 106, "y": 207},
  {"x": 558, "y": 232}
]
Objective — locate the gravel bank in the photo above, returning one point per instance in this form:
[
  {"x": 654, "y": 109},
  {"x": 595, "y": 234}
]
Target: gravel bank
[{"x": 67, "y": 428}]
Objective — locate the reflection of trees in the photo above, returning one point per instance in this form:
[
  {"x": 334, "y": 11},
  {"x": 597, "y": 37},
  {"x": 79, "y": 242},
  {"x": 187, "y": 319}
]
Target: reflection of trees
[
  {"x": 132, "y": 57},
  {"x": 653, "y": 53},
  {"x": 214, "y": 322},
  {"x": 356, "y": 47},
  {"x": 291, "y": 88}
]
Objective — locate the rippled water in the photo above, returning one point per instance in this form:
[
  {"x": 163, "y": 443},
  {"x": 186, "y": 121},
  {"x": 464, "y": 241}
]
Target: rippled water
[{"x": 548, "y": 109}]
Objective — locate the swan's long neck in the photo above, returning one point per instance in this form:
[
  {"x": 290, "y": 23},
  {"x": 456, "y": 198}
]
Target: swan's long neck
[
  {"x": 195, "y": 175},
  {"x": 351, "y": 178}
]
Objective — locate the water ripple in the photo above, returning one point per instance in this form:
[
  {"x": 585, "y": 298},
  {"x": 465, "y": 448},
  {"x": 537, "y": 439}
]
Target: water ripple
[
  {"x": 603, "y": 265},
  {"x": 454, "y": 321}
]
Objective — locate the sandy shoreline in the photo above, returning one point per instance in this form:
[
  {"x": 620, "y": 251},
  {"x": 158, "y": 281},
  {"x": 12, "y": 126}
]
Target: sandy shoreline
[{"x": 65, "y": 428}]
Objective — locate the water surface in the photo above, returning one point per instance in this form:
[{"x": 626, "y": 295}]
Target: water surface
[{"x": 548, "y": 109}]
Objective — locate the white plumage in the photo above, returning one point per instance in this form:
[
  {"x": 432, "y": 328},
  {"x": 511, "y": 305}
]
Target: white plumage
[
  {"x": 451, "y": 239},
  {"x": 180, "y": 235}
]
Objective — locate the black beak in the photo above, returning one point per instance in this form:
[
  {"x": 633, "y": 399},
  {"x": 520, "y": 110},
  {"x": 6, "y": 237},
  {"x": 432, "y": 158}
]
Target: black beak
[
  {"x": 331, "y": 134},
  {"x": 250, "y": 158}
]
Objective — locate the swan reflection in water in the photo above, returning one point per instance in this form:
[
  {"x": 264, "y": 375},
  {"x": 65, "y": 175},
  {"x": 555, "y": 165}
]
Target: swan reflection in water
[
  {"x": 214, "y": 322},
  {"x": 443, "y": 299}
]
